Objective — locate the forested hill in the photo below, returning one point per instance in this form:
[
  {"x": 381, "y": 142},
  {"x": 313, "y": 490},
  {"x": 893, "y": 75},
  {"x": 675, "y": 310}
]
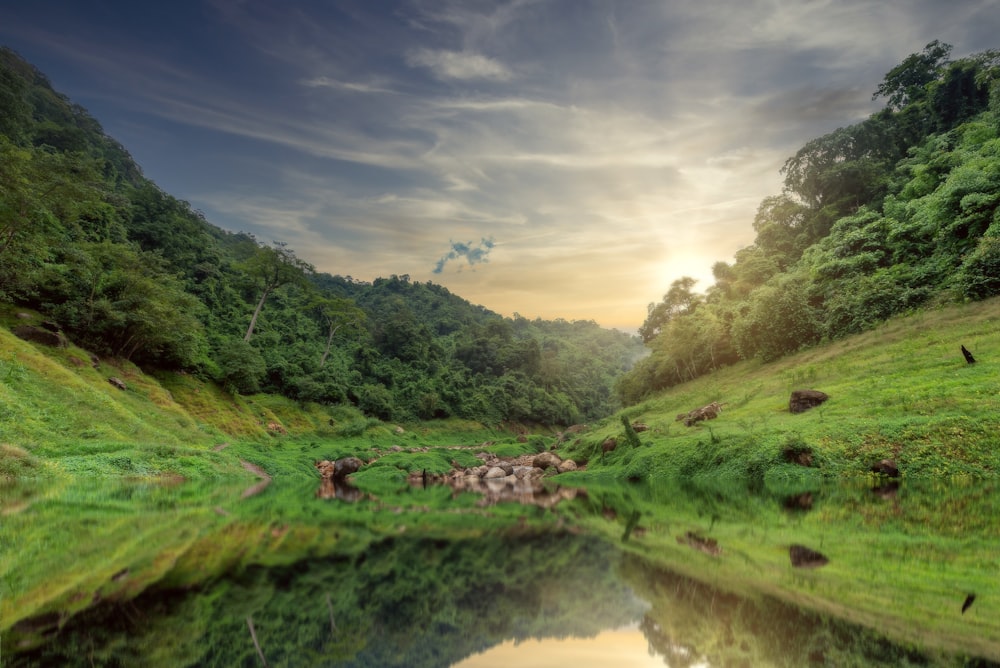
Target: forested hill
[
  {"x": 128, "y": 271},
  {"x": 898, "y": 212}
]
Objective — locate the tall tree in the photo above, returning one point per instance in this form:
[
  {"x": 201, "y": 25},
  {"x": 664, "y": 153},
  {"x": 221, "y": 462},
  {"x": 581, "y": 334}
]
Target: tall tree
[
  {"x": 679, "y": 300},
  {"x": 336, "y": 313},
  {"x": 907, "y": 82},
  {"x": 271, "y": 268}
]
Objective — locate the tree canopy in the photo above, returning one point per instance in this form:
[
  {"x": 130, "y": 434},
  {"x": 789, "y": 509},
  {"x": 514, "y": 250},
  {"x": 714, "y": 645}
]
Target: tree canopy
[
  {"x": 875, "y": 219},
  {"x": 127, "y": 270}
]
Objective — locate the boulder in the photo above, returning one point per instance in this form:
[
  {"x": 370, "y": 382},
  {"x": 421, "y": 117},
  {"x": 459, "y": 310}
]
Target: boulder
[
  {"x": 40, "y": 335},
  {"x": 609, "y": 445},
  {"x": 346, "y": 466},
  {"x": 804, "y": 557},
  {"x": 494, "y": 473},
  {"x": 886, "y": 467},
  {"x": 118, "y": 382},
  {"x": 566, "y": 465},
  {"x": 803, "y": 400},
  {"x": 707, "y": 412},
  {"x": 546, "y": 460}
]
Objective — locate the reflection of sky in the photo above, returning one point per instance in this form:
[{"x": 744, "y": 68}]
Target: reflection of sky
[
  {"x": 624, "y": 648},
  {"x": 603, "y": 147}
]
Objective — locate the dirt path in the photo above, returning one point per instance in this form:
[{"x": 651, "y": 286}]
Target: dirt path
[{"x": 265, "y": 479}]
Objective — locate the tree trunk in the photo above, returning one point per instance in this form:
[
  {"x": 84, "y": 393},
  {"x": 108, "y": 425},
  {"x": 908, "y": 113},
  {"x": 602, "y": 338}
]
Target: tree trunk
[
  {"x": 256, "y": 312},
  {"x": 329, "y": 340}
]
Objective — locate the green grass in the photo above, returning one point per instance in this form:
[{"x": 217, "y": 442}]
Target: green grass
[
  {"x": 902, "y": 391},
  {"x": 98, "y": 469}
]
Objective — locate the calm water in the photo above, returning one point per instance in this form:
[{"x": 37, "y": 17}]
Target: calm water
[{"x": 182, "y": 574}]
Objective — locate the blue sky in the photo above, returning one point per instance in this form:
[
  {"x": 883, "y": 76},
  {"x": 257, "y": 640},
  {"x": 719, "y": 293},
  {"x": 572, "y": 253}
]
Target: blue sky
[{"x": 555, "y": 158}]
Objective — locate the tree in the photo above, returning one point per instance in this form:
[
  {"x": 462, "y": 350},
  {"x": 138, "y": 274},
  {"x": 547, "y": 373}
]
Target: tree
[
  {"x": 679, "y": 300},
  {"x": 336, "y": 312},
  {"x": 271, "y": 268},
  {"x": 118, "y": 300},
  {"x": 43, "y": 195},
  {"x": 907, "y": 83}
]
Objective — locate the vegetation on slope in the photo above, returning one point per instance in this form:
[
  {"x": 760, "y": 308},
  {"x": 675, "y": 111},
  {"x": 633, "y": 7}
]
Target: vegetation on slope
[
  {"x": 128, "y": 272},
  {"x": 894, "y": 213},
  {"x": 902, "y": 391}
]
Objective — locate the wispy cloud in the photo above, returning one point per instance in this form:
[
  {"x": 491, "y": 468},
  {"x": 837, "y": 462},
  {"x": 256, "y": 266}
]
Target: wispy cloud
[
  {"x": 458, "y": 65},
  {"x": 613, "y": 146},
  {"x": 352, "y": 86}
]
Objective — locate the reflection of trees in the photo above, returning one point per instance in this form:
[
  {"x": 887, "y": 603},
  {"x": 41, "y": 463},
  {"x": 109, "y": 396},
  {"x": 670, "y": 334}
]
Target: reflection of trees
[
  {"x": 691, "y": 623},
  {"x": 405, "y": 601}
]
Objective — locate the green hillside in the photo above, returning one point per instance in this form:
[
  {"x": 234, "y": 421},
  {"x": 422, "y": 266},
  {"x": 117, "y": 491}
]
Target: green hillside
[{"x": 107, "y": 282}]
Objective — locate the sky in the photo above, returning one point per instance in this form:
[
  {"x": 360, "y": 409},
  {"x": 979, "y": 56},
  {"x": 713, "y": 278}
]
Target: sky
[{"x": 552, "y": 158}]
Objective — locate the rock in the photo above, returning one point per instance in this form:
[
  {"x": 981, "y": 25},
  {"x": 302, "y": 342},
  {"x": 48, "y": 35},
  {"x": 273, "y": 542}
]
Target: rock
[
  {"x": 566, "y": 465},
  {"x": 494, "y": 473},
  {"x": 545, "y": 460},
  {"x": 639, "y": 427},
  {"x": 709, "y": 546},
  {"x": 51, "y": 326},
  {"x": 324, "y": 467},
  {"x": 609, "y": 445},
  {"x": 24, "y": 316},
  {"x": 346, "y": 466},
  {"x": 399, "y": 431},
  {"x": 803, "y": 400},
  {"x": 40, "y": 335},
  {"x": 118, "y": 382},
  {"x": 886, "y": 467},
  {"x": 801, "y": 456},
  {"x": 803, "y": 557},
  {"x": 507, "y": 467},
  {"x": 707, "y": 412}
]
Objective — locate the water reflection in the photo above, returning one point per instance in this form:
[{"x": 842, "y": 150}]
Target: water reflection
[{"x": 707, "y": 575}]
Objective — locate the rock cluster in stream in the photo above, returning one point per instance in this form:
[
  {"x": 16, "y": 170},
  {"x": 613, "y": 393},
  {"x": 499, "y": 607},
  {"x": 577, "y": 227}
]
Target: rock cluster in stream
[{"x": 505, "y": 479}]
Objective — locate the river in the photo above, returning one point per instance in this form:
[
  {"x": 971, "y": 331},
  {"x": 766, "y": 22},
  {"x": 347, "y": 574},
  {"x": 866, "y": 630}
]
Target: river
[{"x": 181, "y": 573}]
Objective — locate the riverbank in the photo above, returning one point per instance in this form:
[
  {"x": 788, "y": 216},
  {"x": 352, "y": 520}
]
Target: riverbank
[{"x": 903, "y": 392}]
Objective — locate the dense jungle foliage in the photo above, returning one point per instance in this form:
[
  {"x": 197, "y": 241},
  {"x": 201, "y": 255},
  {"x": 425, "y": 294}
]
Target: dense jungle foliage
[
  {"x": 899, "y": 211},
  {"x": 130, "y": 272}
]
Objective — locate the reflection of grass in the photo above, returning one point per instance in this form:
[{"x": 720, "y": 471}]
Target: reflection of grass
[{"x": 902, "y": 565}]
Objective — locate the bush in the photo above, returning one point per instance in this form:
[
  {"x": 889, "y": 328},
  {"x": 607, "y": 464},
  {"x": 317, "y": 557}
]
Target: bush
[
  {"x": 376, "y": 400},
  {"x": 979, "y": 276},
  {"x": 241, "y": 367},
  {"x": 778, "y": 320}
]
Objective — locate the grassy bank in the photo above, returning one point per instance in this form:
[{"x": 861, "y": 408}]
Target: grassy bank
[{"x": 901, "y": 392}]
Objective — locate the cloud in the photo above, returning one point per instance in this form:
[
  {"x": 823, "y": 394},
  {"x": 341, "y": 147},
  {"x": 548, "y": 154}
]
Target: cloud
[
  {"x": 614, "y": 146},
  {"x": 473, "y": 254},
  {"x": 458, "y": 65},
  {"x": 352, "y": 86}
]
